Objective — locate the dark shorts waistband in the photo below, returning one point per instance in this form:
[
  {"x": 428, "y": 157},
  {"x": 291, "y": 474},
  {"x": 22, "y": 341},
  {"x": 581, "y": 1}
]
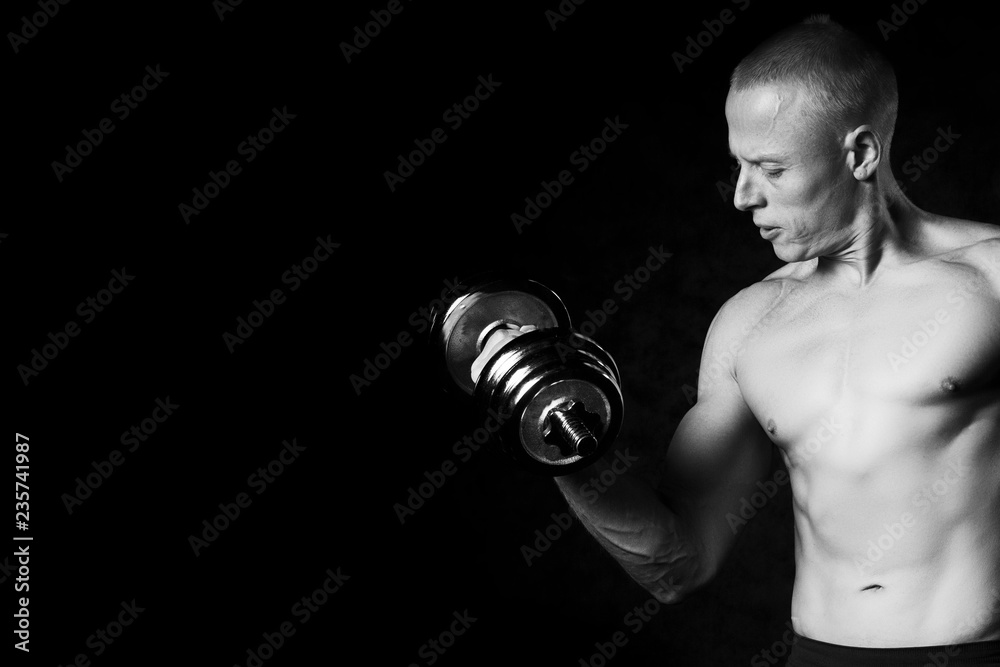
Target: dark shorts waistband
[{"x": 812, "y": 653}]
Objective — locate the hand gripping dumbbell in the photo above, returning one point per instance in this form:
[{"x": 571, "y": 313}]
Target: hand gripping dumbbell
[{"x": 558, "y": 391}]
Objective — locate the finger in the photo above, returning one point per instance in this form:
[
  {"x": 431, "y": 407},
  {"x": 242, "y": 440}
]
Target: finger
[{"x": 496, "y": 341}]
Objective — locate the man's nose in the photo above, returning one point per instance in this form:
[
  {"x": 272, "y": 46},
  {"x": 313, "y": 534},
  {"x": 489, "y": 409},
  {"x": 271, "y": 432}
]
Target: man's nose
[{"x": 747, "y": 195}]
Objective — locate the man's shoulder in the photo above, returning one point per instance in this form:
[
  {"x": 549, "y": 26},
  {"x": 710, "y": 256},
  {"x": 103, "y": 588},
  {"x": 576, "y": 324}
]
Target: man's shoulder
[
  {"x": 752, "y": 304},
  {"x": 773, "y": 287},
  {"x": 972, "y": 245},
  {"x": 954, "y": 235}
]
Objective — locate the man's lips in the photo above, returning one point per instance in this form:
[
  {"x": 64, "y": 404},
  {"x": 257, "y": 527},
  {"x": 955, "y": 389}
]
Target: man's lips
[{"x": 768, "y": 232}]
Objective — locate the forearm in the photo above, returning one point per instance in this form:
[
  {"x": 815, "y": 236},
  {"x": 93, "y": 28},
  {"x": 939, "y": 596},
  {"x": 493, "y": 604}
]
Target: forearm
[{"x": 627, "y": 517}]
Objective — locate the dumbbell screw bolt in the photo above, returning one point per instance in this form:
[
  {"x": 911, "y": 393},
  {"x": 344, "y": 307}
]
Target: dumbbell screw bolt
[{"x": 574, "y": 432}]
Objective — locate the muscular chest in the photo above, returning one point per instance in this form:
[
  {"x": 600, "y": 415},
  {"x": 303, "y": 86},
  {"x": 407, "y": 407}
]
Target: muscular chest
[{"x": 818, "y": 354}]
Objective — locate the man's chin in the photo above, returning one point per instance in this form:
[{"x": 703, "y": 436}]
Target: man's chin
[{"x": 788, "y": 252}]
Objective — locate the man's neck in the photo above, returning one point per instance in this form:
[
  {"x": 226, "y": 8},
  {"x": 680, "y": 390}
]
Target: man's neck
[{"x": 880, "y": 236}]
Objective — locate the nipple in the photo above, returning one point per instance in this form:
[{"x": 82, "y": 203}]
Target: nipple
[{"x": 951, "y": 384}]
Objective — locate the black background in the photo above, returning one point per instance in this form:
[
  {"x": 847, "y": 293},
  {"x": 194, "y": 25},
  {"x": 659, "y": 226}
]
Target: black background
[{"x": 323, "y": 176}]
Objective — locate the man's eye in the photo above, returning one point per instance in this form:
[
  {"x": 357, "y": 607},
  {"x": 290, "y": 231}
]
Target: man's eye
[{"x": 773, "y": 173}]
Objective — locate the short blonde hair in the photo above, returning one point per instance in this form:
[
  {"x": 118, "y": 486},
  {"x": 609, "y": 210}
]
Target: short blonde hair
[{"x": 851, "y": 83}]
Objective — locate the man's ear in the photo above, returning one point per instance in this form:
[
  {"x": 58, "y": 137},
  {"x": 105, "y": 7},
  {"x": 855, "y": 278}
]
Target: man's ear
[{"x": 864, "y": 151}]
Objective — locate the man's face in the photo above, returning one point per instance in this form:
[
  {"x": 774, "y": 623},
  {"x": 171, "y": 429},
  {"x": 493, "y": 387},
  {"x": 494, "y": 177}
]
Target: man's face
[{"x": 793, "y": 173}]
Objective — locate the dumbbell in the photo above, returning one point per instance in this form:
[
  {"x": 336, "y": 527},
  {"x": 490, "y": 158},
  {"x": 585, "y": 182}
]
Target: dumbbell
[{"x": 558, "y": 392}]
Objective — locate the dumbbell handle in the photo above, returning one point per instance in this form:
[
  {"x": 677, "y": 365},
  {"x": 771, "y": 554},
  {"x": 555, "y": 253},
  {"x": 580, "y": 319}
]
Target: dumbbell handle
[{"x": 574, "y": 432}]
